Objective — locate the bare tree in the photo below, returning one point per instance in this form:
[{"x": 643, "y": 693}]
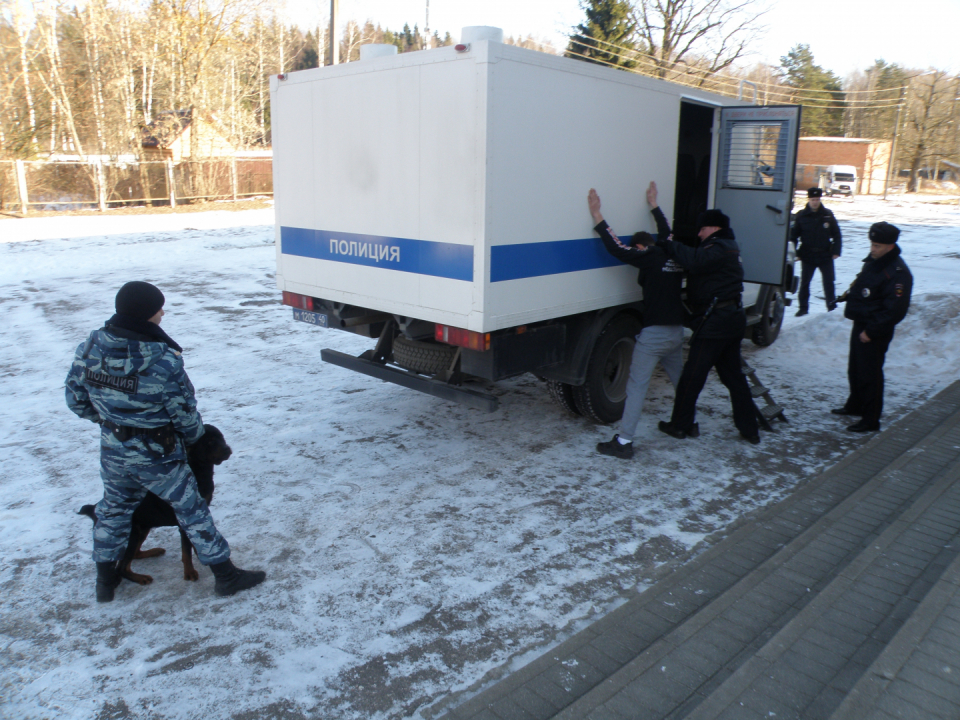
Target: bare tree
[
  {"x": 928, "y": 114},
  {"x": 709, "y": 34},
  {"x": 53, "y": 77},
  {"x": 20, "y": 27}
]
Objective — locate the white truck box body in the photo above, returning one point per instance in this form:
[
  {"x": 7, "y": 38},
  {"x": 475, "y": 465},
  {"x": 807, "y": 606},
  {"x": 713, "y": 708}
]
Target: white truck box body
[{"x": 465, "y": 175}]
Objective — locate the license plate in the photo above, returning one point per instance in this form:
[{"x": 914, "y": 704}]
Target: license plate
[{"x": 313, "y": 318}]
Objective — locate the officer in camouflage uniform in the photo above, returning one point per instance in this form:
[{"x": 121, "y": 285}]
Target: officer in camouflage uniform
[{"x": 129, "y": 378}]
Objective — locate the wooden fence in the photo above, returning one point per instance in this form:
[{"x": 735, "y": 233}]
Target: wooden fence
[{"x": 62, "y": 185}]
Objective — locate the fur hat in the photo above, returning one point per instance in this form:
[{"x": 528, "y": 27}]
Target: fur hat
[
  {"x": 713, "y": 218},
  {"x": 139, "y": 300},
  {"x": 814, "y": 192},
  {"x": 884, "y": 233}
]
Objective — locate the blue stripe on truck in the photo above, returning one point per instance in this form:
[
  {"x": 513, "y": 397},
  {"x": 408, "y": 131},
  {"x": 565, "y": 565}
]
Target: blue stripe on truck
[
  {"x": 423, "y": 257},
  {"x": 513, "y": 262},
  {"x": 447, "y": 260}
]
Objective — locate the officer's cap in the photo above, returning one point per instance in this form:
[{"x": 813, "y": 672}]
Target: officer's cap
[
  {"x": 713, "y": 218},
  {"x": 884, "y": 233}
]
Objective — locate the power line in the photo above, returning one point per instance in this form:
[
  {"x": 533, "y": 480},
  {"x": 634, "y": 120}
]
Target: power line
[{"x": 784, "y": 93}]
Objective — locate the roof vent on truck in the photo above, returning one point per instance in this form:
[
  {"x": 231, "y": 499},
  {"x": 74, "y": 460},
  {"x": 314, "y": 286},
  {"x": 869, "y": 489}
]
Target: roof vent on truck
[
  {"x": 476, "y": 33},
  {"x": 376, "y": 50}
]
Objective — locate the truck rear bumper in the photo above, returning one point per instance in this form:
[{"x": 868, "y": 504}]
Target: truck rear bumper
[{"x": 464, "y": 396}]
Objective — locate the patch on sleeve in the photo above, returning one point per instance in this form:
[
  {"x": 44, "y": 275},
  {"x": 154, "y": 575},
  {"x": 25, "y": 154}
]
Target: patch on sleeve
[
  {"x": 898, "y": 289},
  {"x": 124, "y": 383}
]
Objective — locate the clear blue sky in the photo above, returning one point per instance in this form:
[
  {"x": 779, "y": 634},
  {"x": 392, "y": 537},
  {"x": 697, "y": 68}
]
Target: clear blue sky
[{"x": 844, "y": 36}]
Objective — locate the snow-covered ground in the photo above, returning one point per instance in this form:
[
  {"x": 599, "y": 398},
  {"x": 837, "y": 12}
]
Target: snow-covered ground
[{"x": 411, "y": 546}]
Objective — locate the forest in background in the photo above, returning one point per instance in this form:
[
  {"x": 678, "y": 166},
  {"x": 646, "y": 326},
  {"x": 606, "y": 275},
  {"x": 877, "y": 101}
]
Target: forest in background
[{"x": 93, "y": 79}]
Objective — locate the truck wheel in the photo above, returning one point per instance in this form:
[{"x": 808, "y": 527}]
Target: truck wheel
[
  {"x": 426, "y": 358},
  {"x": 771, "y": 317},
  {"x": 562, "y": 394},
  {"x": 602, "y": 396}
]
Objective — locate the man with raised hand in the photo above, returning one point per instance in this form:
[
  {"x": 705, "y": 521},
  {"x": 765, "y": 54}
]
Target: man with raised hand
[{"x": 661, "y": 339}]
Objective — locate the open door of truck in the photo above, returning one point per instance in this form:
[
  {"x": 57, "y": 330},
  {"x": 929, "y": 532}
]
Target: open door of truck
[{"x": 757, "y": 157}]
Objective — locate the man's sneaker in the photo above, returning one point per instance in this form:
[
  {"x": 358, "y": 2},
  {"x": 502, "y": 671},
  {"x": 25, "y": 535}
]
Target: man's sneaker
[
  {"x": 752, "y": 439},
  {"x": 615, "y": 448},
  {"x": 801, "y": 312}
]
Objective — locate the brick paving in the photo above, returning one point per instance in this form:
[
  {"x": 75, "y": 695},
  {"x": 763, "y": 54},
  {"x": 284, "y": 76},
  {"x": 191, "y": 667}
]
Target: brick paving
[{"x": 793, "y": 612}]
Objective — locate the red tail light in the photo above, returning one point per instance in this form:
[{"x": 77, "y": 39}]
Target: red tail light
[
  {"x": 303, "y": 302},
  {"x": 461, "y": 337}
]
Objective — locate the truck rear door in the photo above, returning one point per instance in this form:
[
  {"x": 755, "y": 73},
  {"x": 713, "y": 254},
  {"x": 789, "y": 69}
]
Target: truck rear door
[{"x": 757, "y": 157}]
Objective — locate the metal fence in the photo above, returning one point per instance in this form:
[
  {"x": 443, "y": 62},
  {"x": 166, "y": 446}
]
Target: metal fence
[{"x": 64, "y": 185}]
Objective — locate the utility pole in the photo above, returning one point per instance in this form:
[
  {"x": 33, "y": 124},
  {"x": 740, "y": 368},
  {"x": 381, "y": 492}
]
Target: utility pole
[
  {"x": 333, "y": 56},
  {"x": 426, "y": 29},
  {"x": 893, "y": 144}
]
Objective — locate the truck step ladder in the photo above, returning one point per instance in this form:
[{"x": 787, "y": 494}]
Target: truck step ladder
[{"x": 769, "y": 411}]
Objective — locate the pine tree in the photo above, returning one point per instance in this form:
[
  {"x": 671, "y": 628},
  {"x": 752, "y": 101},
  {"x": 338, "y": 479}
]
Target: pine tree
[
  {"x": 890, "y": 78},
  {"x": 819, "y": 91},
  {"x": 607, "y": 36}
]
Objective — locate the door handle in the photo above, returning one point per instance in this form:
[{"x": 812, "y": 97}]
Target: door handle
[{"x": 777, "y": 210}]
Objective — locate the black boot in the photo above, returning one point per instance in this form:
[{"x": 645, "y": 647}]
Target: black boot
[
  {"x": 107, "y": 580},
  {"x": 232, "y": 580}
]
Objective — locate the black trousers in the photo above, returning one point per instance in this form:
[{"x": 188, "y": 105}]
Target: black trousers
[
  {"x": 724, "y": 355},
  {"x": 865, "y": 373},
  {"x": 807, "y": 268}
]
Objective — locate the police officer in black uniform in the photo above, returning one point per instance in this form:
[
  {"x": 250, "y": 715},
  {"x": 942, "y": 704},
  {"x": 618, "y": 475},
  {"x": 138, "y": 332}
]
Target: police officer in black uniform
[
  {"x": 876, "y": 302},
  {"x": 820, "y": 240},
  {"x": 714, "y": 292}
]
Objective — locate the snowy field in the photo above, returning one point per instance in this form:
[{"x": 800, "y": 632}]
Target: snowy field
[{"x": 415, "y": 550}]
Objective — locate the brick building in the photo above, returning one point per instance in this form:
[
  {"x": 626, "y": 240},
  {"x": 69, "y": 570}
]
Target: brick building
[{"x": 870, "y": 157}]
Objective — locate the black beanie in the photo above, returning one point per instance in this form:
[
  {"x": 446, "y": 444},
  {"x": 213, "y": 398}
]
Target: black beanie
[
  {"x": 713, "y": 218},
  {"x": 884, "y": 233},
  {"x": 643, "y": 238},
  {"x": 139, "y": 300},
  {"x": 814, "y": 192}
]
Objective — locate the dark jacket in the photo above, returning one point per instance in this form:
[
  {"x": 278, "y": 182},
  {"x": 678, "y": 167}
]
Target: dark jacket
[
  {"x": 660, "y": 277},
  {"x": 880, "y": 296},
  {"x": 818, "y": 233},
  {"x": 716, "y": 274}
]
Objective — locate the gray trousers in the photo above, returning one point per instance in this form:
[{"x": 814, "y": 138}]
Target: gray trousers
[{"x": 657, "y": 343}]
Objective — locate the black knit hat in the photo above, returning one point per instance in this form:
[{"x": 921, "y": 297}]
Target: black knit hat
[
  {"x": 139, "y": 300},
  {"x": 814, "y": 192},
  {"x": 643, "y": 238},
  {"x": 713, "y": 218},
  {"x": 884, "y": 233}
]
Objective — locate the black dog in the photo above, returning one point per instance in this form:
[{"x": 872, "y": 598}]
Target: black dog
[{"x": 211, "y": 449}]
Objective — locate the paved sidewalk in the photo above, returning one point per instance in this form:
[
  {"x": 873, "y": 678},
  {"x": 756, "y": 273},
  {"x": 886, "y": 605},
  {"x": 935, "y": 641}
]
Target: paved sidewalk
[{"x": 824, "y": 579}]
